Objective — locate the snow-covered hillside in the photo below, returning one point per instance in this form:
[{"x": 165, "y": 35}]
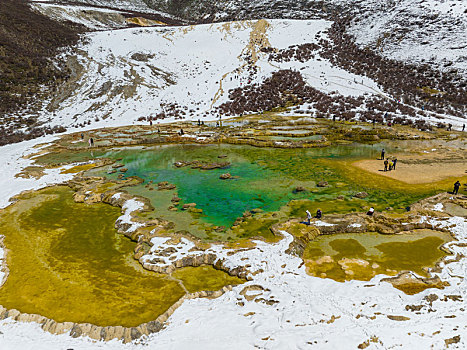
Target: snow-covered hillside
[
  {"x": 432, "y": 32},
  {"x": 428, "y": 31},
  {"x": 123, "y": 75},
  {"x": 101, "y": 15}
]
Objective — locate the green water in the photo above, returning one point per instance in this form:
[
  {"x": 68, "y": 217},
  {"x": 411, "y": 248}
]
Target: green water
[
  {"x": 68, "y": 263},
  {"x": 364, "y": 255},
  {"x": 264, "y": 178}
]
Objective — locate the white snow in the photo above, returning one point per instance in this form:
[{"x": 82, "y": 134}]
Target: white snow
[
  {"x": 428, "y": 31},
  {"x": 186, "y": 65},
  {"x": 129, "y": 207},
  {"x": 91, "y": 17},
  {"x": 309, "y": 311},
  {"x": 438, "y": 207},
  {"x": 116, "y": 196},
  {"x": 12, "y": 162},
  {"x": 305, "y": 303},
  {"x": 322, "y": 223},
  {"x": 303, "y": 314}
]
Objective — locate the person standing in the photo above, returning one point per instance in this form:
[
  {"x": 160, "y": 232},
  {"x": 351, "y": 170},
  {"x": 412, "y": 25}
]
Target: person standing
[
  {"x": 319, "y": 214},
  {"x": 463, "y": 127},
  {"x": 394, "y": 161},
  {"x": 382, "y": 153},
  {"x": 386, "y": 163},
  {"x": 456, "y": 187},
  {"x": 308, "y": 216}
]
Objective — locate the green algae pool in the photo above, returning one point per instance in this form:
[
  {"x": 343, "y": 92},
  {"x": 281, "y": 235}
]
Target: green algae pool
[
  {"x": 362, "y": 256},
  {"x": 67, "y": 262},
  {"x": 264, "y": 178}
]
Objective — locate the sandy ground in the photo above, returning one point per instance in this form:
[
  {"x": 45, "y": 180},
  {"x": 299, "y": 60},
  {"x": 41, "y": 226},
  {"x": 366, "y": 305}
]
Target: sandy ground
[{"x": 414, "y": 170}]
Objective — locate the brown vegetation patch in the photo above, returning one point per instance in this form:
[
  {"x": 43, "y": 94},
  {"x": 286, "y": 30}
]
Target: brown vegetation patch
[{"x": 28, "y": 42}]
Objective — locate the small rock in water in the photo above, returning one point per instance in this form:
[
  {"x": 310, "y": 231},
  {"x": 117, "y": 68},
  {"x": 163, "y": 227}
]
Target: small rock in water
[
  {"x": 164, "y": 185},
  {"x": 361, "y": 195},
  {"x": 299, "y": 189},
  {"x": 322, "y": 184},
  {"x": 225, "y": 176}
]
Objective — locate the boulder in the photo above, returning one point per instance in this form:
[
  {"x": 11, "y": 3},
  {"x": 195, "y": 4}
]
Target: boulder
[
  {"x": 361, "y": 195},
  {"x": 322, "y": 184}
]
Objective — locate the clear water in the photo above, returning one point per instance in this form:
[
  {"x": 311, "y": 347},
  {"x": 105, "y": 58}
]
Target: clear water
[
  {"x": 68, "y": 263},
  {"x": 265, "y": 179}
]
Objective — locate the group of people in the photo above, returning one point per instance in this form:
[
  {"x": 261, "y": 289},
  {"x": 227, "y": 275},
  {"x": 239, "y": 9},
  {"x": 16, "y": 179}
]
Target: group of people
[
  {"x": 388, "y": 163},
  {"x": 319, "y": 214},
  {"x": 90, "y": 140}
]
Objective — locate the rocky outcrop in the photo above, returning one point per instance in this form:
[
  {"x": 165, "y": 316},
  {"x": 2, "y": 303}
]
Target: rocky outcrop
[
  {"x": 164, "y": 185},
  {"x": 196, "y": 164}
]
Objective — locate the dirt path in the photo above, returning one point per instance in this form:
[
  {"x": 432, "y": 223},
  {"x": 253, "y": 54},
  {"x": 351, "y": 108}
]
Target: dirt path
[{"x": 416, "y": 170}]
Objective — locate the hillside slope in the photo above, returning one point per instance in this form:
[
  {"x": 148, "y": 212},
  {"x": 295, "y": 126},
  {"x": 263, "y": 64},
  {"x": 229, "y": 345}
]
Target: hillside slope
[
  {"x": 187, "y": 72},
  {"x": 369, "y": 63},
  {"x": 28, "y": 43}
]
